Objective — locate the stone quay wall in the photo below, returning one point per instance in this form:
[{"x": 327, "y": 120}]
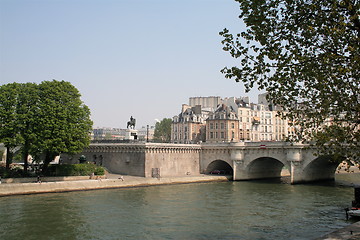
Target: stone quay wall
[{"x": 143, "y": 159}]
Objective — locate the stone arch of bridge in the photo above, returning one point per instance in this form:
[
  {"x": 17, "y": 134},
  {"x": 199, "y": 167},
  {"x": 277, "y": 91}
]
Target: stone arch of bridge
[
  {"x": 264, "y": 167},
  {"x": 219, "y": 167},
  {"x": 320, "y": 168}
]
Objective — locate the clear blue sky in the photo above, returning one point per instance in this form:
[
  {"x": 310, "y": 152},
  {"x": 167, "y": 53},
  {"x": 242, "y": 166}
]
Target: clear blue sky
[{"x": 127, "y": 57}]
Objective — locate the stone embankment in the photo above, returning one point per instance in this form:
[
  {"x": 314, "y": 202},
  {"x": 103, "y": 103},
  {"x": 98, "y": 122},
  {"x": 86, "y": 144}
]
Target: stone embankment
[
  {"x": 350, "y": 232},
  {"x": 111, "y": 181}
]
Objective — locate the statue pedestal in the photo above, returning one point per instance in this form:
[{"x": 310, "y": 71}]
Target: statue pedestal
[{"x": 131, "y": 134}]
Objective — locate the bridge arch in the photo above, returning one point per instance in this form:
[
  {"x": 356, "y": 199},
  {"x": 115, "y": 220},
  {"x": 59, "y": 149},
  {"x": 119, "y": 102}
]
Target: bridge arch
[
  {"x": 320, "y": 168},
  {"x": 219, "y": 167},
  {"x": 264, "y": 167}
]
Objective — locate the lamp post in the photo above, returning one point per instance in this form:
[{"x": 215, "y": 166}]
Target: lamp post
[{"x": 147, "y": 133}]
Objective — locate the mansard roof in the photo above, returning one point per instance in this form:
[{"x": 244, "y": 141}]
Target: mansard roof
[
  {"x": 223, "y": 112},
  {"x": 192, "y": 114}
]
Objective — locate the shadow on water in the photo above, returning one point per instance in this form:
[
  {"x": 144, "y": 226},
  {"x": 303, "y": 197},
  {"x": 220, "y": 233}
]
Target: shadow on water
[{"x": 341, "y": 180}]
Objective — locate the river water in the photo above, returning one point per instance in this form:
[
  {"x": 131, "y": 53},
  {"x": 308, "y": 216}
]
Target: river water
[{"x": 221, "y": 210}]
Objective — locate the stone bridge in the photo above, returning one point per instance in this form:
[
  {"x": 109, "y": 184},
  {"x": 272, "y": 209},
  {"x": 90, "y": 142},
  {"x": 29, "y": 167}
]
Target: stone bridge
[
  {"x": 244, "y": 161},
  {"x": 248, "y": 161}
]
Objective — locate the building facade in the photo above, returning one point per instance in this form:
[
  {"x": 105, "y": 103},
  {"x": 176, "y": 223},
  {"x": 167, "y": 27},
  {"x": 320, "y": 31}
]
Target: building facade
[
  {"x": 189, "y": 125},
  {"x": 205, "y": 102},
  {"x": 252, "y": 122},
  {"x": 222, "y": 125}
]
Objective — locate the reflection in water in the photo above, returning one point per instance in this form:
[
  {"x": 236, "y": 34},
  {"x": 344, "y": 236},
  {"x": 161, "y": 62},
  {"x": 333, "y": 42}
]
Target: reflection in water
[{"x": 227, "y": 210}]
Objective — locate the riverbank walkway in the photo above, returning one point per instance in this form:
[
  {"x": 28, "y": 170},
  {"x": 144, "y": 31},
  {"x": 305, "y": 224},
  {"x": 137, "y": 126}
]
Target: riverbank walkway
[{"x": 47, "y": 185}]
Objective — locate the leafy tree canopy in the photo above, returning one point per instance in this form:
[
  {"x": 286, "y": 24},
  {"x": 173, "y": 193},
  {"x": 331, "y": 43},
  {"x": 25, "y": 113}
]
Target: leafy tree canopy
[
  {"x": 305, "y": 54},
  {"x": 8, "y": 129},
  {"x": 63, "y": 120},
  {"x": 8, "y": 95},
  {"x": 162, "y": 131},
  {"x": 44, "y": 120}
]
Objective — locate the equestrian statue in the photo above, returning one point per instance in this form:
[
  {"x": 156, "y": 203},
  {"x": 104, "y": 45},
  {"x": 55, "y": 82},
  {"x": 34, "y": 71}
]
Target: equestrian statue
[{"x": 131, "y": 123}]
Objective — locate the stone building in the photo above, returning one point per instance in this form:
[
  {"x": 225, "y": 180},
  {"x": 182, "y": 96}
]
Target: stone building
[
  {"x": 258, "y": 122},
  {"x": 189, "y": 125},
  {"x": 222, "y": 125},
  {"x": 254, "y": 122},
  {"x": 211, "y": 102}
]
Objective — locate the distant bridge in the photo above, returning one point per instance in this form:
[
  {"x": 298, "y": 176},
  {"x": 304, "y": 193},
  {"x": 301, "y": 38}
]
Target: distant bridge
[{"x": 244, "y": 161}]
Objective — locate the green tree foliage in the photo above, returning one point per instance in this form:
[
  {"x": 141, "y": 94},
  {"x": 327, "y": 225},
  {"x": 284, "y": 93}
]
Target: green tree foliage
[
  {"x": 44, "y": 120},
  {"x": 162, "y": 131},
  {"x": 26, "y": 118},
  {"x": 17, "y": 106},
  {"x": 8, "y": 132},
  {"x": 75, "y": 170},
  {"x": 305, "y": 54},
  {"x": 64, "y": 123}
]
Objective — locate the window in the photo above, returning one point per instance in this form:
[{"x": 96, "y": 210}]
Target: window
[
  {"x": 222, "y": 134},
  {"x": 211, "y": 135},
  {"x": 232, "y": 125},
  {"x": 232, "y": 135},
  {"x": 216, "y": 126},
  {"x": 211, "y": 126},
  {"x": 222, "y": 125}
]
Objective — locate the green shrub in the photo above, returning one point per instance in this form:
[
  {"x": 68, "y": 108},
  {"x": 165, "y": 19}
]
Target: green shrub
[
  {"x": 99, "y": 171},
  {"x": 75, "y": 170},
  {"x": 86, "y": 169},
  {"x": 15, "y": 171}
]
